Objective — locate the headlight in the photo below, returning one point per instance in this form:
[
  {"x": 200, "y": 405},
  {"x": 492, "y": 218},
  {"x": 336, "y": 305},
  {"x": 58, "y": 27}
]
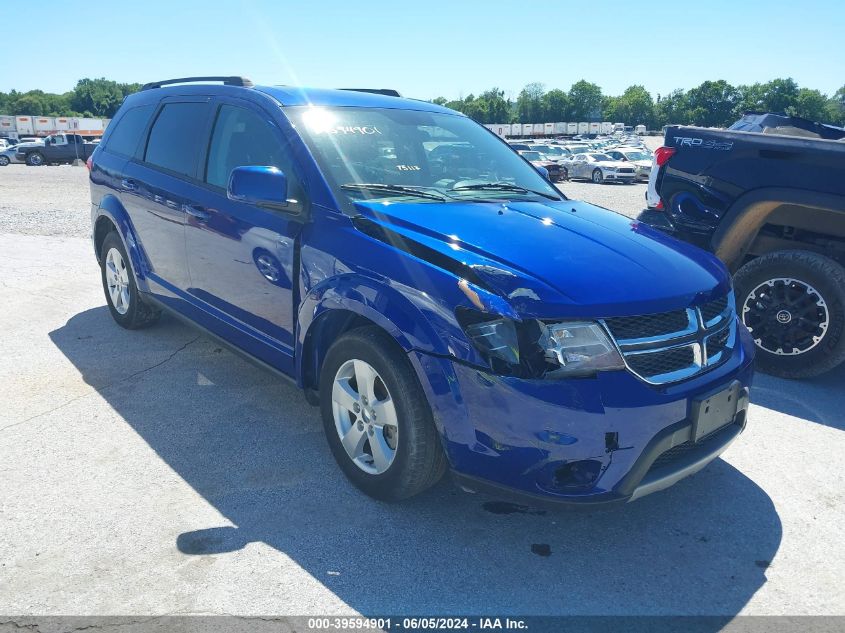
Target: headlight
[
  {"x": 610, "y": 168},
  {"x": 579, "y": 348},
  {"x": 533, "y": 349}
]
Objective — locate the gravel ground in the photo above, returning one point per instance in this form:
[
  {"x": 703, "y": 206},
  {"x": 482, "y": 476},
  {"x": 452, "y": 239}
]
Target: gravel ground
[
  {"x": 45, "y": 200},
  {"x": 55, "y": 200}
]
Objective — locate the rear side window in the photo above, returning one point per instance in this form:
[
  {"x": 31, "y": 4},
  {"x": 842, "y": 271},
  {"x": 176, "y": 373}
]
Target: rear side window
[
  {"x": 124, "y": 138},
  {"x": 176, "y": 136}
]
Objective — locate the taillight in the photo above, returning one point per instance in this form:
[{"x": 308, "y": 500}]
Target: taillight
[
  {"x": 663, "y": 154},
  {"x": 89, "y": 163}
]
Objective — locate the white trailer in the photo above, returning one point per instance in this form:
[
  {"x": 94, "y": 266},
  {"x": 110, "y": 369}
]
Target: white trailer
[
  {"x": 640, "y": 130},
  {"x": 548, "y": 129},
  {"x": 537, "y": 129},
  {"x": 595, "y": 129},
  {"x": 526, "y": 129},
  {"x": 571, "y": 129},
  {"x": 87, "y": 127},
  {"x": 62, "y": 123},
  {"x": 618, "y": 127},
  {"x": 7, "y": 126},
  {"x": 606, "y": 127},
  {"x": 43, "y": 125},
  {"x": 583, "y": 127},
  {"x": 23, "y": 126},
  {"x": 560, "y": 128}
]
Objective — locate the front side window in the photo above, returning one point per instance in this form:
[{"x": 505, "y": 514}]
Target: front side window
[
  {"x": 395, "y": 153},
  {"x": 243, "y": 138},
  {"x": 175, "y": 137}
]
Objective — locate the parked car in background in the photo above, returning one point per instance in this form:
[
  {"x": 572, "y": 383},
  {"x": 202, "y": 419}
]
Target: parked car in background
[
  {"x": 538, "y": 159},
  {"x": 640, "y": 159},
  {"x": 7, "y": 156},
  {"x": 769, "y": 199},
  {"x": 56, "y": 149},
  {"x": 598, "y": 168},
  {"x": 461, "y": 315}
]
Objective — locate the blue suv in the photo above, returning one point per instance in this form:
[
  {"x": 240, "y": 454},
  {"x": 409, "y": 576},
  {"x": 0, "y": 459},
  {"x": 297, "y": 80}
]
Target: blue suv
[{"x": 438, "y": 298}]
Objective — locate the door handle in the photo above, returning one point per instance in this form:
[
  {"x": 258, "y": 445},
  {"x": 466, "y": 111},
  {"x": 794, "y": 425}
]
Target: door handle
[
  {"x": 129, "y": 184},
  {"x": 200, "y": 214}
]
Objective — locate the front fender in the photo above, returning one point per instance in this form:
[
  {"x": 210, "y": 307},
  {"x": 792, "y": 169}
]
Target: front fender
[
  {"x": 111, "y": 208},
  {"x": 389, "y": 308}
]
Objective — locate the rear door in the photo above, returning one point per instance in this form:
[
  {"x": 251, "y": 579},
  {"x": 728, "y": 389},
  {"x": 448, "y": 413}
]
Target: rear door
[
  {"x": 159, "y": 185},
  {"x": 241, "y": 256}
]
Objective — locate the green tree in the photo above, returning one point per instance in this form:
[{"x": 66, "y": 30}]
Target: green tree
[
  {"x": 671, "y": 109},
  {"x": 529, "y": 104},
  {"x": 585, "y": 101},
  {"x": 836, "y": 107},
  {"x": 712, "y": 104},
  {"x": 555, "y": 105},
  {"x": 779, "y": 95},
  {"x": 635, "y": 106},
  {"x": 810, "y": 104}
]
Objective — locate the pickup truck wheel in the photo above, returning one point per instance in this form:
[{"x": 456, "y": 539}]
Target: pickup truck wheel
[
  {"x": 377, "y": 421},
  {"x": 4, "y": 160},
  {"x": 598, "y": 177},
  {"x": 793, "y": 302},
  {"x": 122, "y": 296},
  {"x": 35, "y": 159}
]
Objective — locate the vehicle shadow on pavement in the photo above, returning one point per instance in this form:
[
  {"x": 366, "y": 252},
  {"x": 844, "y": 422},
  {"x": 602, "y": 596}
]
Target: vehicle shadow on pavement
[
  {"x": 254, "y": 449},
  {"x": 817, "y": 399}
]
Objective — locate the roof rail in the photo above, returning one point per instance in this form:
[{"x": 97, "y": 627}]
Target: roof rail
[
  {"x": 390, "y": 92},
  {"x": 228, "y": 81}
]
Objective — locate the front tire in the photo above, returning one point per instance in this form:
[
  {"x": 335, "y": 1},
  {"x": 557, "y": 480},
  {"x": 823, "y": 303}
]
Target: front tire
[
  {"x": 377, "y": 420},
  {"x": 598, "y": 177},
  {"x": 36, "y": 159},
  {"x": 125, "y": 303},
  {"x": 793, "y": 302}
]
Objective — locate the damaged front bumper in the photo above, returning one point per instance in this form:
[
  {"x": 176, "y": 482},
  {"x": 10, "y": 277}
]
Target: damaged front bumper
[{"x": 602, "y": 440}]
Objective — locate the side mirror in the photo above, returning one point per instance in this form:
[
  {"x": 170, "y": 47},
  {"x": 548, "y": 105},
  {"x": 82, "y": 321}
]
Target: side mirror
[
  {"x": 262, "y": 186},
  {"x": 543, "y": 172}
]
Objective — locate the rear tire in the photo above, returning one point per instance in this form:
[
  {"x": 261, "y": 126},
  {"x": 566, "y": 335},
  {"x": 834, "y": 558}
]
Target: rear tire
[
  {"x": 4, "y": 160},
  {"x": 793, "y": 302},
  {"x": 598, "y": 177},
  {"x": 126, "y": 305},
  {"x": 396, "y": 410},
  {"x": 36, "y": 159}
]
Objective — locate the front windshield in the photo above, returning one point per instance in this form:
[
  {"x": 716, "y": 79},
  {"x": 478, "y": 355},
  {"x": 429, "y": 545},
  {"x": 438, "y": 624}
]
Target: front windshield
[
  {"x": 532, "y": 155},
  {"x": 600, "y": 158},
  {"x": 386, "y": 153},
  {"x": 637, "y": 156}
]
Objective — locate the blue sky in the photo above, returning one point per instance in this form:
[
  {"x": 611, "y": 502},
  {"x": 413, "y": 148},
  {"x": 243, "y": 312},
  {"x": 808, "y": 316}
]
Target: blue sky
[{"x": 435, "y": 48}]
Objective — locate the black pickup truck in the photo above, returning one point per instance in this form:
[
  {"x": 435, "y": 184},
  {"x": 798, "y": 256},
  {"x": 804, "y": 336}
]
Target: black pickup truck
[
  {"x": 767, "y": 196},
  {"x": 57, "y": 149}
]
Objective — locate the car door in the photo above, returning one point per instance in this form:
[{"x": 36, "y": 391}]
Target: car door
[
  {"x": 241, "y": 256},
  {"x": 157, "y": 186},
  {"x": 580, "y": 165}
]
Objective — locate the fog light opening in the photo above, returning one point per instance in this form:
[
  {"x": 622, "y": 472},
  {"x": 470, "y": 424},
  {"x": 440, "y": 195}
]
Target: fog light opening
[{"x": 580, "y": 474}]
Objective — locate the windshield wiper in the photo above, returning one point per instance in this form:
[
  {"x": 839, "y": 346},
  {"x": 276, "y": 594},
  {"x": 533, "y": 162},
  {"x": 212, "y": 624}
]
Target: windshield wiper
[
  {"x": 504, "y": 186},
  {"x": 400, "y": 189}
]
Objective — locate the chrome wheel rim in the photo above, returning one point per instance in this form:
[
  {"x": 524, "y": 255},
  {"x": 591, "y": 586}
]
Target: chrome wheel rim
[
  {"x": 786, "y": 316},
  {"x": 35, "y": 159},
  {"x": 597, "y": 176},
  {"x": 4, "y": 161},
  {"x": 365, "y": 417},
  {"x": 117, "y": 281}
]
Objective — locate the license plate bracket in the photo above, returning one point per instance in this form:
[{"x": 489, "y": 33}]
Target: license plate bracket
[{"x": 713, "y": 411}]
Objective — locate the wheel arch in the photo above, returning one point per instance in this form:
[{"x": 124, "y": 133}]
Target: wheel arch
[
  {"x": 342, "y": 304},
  {"x": 111, "y": 215},
  {"x": 740, "y": 226}
]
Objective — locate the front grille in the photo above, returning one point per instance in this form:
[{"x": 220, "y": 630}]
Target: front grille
[
  {"x": 678, "y": 451},
  {"x": 647, "y": 325},
  {"x": 659, "y": 364},
  {"x": 625, "y": 170},
  {"x": 712, "y": 309},
  {"x": 671, "y": 346}
]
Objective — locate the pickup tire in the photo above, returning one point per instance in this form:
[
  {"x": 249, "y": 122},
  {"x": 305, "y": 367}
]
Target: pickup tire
[
  {"x": 794, "y": 304},
  {"x": 377, "y": 421},
  {"x": 35, "y": 159},
  {"x": 126, "y": 305}
]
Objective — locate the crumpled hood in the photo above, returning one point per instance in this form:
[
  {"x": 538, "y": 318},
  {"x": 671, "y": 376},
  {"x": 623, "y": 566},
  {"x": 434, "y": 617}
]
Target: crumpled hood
[{"x": 566, "y": 258}]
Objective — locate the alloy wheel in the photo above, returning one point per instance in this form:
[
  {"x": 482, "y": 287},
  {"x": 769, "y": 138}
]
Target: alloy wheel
[
  {"x": 117, "y": 279},
  {"x": 786, "y": 316},
  {"x": 365, "y": 416}
]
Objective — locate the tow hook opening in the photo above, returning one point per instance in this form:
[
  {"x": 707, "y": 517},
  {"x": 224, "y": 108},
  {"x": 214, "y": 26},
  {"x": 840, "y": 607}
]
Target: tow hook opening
[{"x": 579, "y": 474}]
